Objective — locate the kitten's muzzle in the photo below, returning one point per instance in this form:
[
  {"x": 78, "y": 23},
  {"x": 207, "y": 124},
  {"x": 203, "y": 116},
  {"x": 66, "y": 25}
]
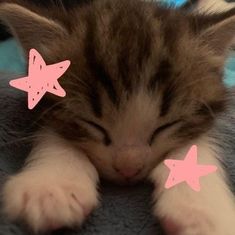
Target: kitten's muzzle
[{"x": 129, "y": 161}]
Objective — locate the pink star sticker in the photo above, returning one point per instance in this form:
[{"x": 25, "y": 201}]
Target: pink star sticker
[
  {"x": 187, "y": 170},
  {"x": 41, "y": 78}
]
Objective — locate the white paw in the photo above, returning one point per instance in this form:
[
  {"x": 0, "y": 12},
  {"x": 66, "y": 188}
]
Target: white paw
[
  {"x": 47, "y": 203},
  {"x": 192, "y": 221},
  {"x": 191, "y": 224}
]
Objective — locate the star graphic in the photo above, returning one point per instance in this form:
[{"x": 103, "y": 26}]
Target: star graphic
[
  {"x": 187, "y": 170},
  {"x": 41, "y": 78}
]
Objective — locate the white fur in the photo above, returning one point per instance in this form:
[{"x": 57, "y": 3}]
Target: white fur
[
  {"x": 208, "y": 212},
  {"x": 214, "y": 6},
  {"x": 57, "y": 188}
]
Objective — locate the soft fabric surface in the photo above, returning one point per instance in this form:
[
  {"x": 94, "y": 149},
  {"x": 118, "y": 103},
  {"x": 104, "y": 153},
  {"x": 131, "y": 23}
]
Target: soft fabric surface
[{"x": 11, "y": 59}]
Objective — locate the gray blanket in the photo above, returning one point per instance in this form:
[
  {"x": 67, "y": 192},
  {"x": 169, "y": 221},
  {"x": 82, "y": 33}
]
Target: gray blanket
[{"x": 123, "y": 210}]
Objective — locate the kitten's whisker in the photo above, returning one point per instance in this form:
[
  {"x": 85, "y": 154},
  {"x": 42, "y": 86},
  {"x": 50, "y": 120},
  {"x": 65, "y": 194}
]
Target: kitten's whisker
[
  {"x": 30, "y": 137},
  {"x": 47, "y": 110},
  {"x": 62, "y": 6},
  {"x": 42, "y": 115},
  {"x": 188, "y": 85},
  {"x": 18, "y": 141},
  {"x": 79, "y": 82}
]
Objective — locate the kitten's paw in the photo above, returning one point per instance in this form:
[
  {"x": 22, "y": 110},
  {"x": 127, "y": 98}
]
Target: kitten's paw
[
  {"x": 174, "y": 227},
  {"x": 48, "y": 204},
  {"x": 195, "y": 222}
]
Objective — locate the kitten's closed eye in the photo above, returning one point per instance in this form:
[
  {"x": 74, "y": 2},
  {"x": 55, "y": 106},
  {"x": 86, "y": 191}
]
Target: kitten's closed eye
[
  {"x": 107, "y": 139},
  {"x": 161, "y": 129}
]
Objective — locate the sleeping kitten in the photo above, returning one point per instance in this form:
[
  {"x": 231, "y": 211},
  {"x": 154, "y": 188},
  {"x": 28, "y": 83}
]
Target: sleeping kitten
[{"x": 145, "y": 84}]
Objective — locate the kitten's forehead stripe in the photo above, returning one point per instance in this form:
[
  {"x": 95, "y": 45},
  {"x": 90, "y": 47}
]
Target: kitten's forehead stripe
[
  {"x": 171, "y": 35},
  {"x": 94, "y": 62},
  {"x": 144, "y": 41},
  {"x": 131, "y": 31},
  {"x": 162, "y": 75},
  {"x": 93, "y": 94},
  {"x": 193, "y": 129},
  {"x": 169, "y": 94},
  {"x": 123, "y": 51},
  {"x": 95, "y": 101}
]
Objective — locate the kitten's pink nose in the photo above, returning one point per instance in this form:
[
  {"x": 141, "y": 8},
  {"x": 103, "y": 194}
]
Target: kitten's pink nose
[{"x": 128, "y": 172}]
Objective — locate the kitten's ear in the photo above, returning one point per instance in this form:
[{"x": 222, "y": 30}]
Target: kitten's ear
[
  {"x": 31, "y": 29},
  {"x": 220, "y": 36}
]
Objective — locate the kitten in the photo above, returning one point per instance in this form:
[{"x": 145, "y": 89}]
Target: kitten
[{"x": 145, "y": 84}]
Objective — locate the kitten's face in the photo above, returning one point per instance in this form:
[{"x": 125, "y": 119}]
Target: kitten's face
[
  {"x": 142, "y": 83},
  {"x": 140, "y": 88}
]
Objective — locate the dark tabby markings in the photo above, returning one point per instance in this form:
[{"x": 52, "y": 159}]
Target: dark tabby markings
[
  {"x": 135, "y": 43},
  {"x": 123, "y": 69},
  {"x": 97, "y": 70},
  {"x": 161, "y": 78},
  {"x": 211, "y": 108},
  {"x": 167, "y": 98},
  {"x": 95, "y": 101},
  {"x": 161, "y": 129},
  {"x": 204, "y": 118},
  {"x": 116, "y": 33},
  {"x": 124, "y": 52},
  {"x": 107, "y": 140},
  {"x": 144, "y": 40},
  {"x": 100, "y": 73},
  {"x": 171, "y": 36},
  {"x": 218, "y": 106},
  {"x": 163, "y": 72},
  {"x": 191, "y": 130},
  {"x": 71, "y": 130}
]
